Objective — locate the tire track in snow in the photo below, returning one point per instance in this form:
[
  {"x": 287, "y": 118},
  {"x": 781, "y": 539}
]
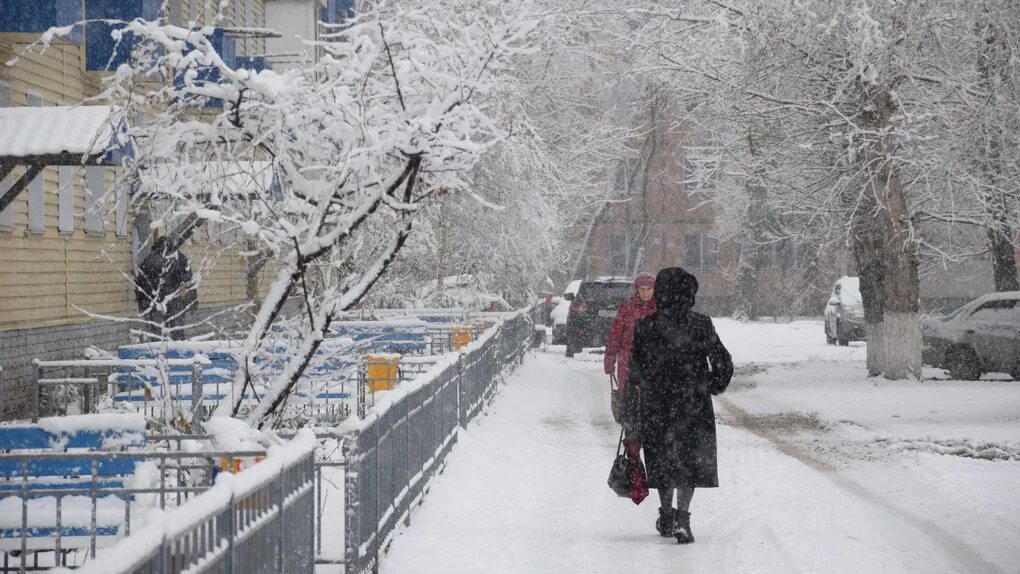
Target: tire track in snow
[{"x": 967, "y": 558}]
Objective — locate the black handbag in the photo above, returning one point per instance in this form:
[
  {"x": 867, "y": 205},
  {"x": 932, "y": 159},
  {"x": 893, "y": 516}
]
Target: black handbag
[{"x": 619, "y": 475}]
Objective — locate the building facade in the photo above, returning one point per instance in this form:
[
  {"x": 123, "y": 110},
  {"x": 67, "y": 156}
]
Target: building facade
[{"x": 69, "y": 241}]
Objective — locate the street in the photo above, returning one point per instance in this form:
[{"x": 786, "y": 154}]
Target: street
[{"x": 821, "y": 470}]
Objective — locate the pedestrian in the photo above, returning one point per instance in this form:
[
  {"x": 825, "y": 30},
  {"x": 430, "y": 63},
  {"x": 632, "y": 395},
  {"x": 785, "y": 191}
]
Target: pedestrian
[
  {"x": 618, "y": 349},
  {"x": 164, "y": 290},
  {"x": 677, "y": 364}
]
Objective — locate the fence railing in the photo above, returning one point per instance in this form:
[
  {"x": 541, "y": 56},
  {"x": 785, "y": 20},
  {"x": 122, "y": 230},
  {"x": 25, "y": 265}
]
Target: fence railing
[
  {"x": 261, "y": 520},
  {"x": 392, "y": 458},
  {"x": 85, "y": 509},
  {"x": 251, "y": 521}
]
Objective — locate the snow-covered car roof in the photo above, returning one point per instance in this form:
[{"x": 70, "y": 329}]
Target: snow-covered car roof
[
  {"x": 849, "y": 289},
  {"x": 573, "y": 286},
  {"x": 999, "y": 296},
  {"x": 1004, "y": 295},
  {"x": 611, "y": 279}
]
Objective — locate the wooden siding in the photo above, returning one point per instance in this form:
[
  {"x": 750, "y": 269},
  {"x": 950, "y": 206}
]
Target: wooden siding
[{"x": 46, "y": 277}]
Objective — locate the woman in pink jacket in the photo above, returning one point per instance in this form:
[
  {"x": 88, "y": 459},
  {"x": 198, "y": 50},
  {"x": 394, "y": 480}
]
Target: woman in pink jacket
[
  {"x": 617, "y": 360},
  {"x": 621, "y": 334}
]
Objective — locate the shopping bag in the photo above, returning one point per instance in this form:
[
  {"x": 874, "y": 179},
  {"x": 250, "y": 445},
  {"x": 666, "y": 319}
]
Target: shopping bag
[{"x": 619, "y": 475}]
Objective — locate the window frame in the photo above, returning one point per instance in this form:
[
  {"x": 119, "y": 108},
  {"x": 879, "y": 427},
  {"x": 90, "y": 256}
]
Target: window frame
[
  {"x": 707, "y": 251},
  {"x": 616, "y": 252},
  {"x": 7, "y": 215},
  {"x": 36, "y": 192},
  {"x": 65, "y": 199},
  {"x": 95, "y": 204},
  {"x": 694, "y": 163}
]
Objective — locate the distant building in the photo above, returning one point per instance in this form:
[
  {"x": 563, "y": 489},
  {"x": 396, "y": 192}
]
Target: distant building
[{"x": 662, "y": 215}]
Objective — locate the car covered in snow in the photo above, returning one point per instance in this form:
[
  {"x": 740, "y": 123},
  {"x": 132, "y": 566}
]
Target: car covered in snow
[
  {"x": 560, "y": 311},
  {"x": 982, "y": 336},
  {"x": 593, "y": 309},
  {"x": 844, "y": 312}
]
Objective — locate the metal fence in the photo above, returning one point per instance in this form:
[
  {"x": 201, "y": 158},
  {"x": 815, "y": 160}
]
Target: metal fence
[
  {"x": 392, "y": 458},
  {"x": 269, "y": 519},
  {"x": 261, "y": 521}
]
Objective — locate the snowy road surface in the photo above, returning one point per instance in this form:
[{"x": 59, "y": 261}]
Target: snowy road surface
[{"x": 821, "y": 470}]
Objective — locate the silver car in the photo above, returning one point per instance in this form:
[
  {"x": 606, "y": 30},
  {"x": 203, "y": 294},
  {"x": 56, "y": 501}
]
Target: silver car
[{"x": 980, "y": 337}]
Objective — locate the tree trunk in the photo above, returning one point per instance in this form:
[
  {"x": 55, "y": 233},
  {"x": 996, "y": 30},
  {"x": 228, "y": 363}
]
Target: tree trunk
[
  {"x": 993, "y": 65},
  {"x": 752, "y": 256},
  {"x": 751, "y": 260},
  {"x": 901, "y": 337},
  {"x": 1003, "y": 260},
  {"x": 866, "y": 245}
]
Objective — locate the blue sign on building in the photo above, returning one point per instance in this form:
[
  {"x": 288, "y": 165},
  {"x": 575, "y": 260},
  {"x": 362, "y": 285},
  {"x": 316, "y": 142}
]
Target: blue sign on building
[
  {"x": 31, "y": 17},
  {"x": 226, "y": 47},
  {"x": 102, "y": 52}
]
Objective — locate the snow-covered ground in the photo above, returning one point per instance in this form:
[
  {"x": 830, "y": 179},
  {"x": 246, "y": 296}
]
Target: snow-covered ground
[{"x": 821, "y": 468}]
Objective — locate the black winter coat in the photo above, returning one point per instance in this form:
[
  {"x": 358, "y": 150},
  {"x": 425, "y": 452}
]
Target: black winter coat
[
  {"x": 678, "y": 363},
  {"x": 159, "y": 282}
]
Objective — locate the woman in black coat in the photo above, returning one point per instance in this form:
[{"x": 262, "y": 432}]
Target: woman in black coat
[{"x": 678, "y": 363}]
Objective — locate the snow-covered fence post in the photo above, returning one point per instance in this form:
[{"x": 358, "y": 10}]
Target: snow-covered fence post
[
  {"x": 461, "y": 418},
  {"x": 279, "y": 494},
  {"x": 352, "y": 502},
  {"x": 196, "y": 397},
  {"x": 36, "y": 398},
  {"x": 231, "y": 531},
  {"x": 362, "y": 383}
]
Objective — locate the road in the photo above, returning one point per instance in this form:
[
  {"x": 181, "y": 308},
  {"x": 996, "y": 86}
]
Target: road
[{"x": 524, "y": 491}]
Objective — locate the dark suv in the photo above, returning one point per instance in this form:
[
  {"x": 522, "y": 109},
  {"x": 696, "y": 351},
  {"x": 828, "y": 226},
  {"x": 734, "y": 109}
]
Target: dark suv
[{"x": 593, "y": 309}]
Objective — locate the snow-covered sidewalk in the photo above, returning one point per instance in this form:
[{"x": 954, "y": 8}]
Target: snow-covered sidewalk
[{"x": 822, "y": 470}]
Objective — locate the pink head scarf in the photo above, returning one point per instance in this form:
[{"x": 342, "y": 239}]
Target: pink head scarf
[{"x": 644, "y": 279}]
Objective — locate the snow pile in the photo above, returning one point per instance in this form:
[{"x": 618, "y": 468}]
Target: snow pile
[
  {"x": 958, "y": 447},
  {"x": 232, "y": 434}
]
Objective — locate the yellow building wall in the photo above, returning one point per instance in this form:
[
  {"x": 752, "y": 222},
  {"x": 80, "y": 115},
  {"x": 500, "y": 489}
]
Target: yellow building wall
[{"x": 50, "y": 278}]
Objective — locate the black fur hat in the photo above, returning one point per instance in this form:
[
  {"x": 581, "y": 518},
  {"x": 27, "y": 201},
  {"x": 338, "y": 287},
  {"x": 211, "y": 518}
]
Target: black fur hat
[{"x": 675, "y": 289}]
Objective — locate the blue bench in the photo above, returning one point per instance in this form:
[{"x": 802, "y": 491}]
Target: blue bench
[
  {"x": 45, "y": 459},
  {"x": 404, "y": 336},
  {"x": 216, "y": 375}
]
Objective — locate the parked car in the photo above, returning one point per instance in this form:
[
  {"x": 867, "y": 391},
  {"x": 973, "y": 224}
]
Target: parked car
[
  {"x": 844, "y": 312},
  {"x": 559, "y": 313},
  {"x": 982, "y": 336},
  {"x": 593, "y": 309}
]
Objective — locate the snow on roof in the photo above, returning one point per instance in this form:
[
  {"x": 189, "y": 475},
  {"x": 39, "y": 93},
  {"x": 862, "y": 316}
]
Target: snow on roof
[{"x": 32, "y": 131}]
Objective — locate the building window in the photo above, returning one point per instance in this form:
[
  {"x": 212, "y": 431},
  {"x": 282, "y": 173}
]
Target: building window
[
  {"x": 701, "y": 252},
  {"x": 65, "y": 199},
  {"x": 786, "y": 255},
  {"x": 617, "y": 254},
  {"x": 7, "y": 215},
  {"x": 95, "y": 208},
  {"x": 36, "y": 187},
  {"x": 700, "y": 174}
]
